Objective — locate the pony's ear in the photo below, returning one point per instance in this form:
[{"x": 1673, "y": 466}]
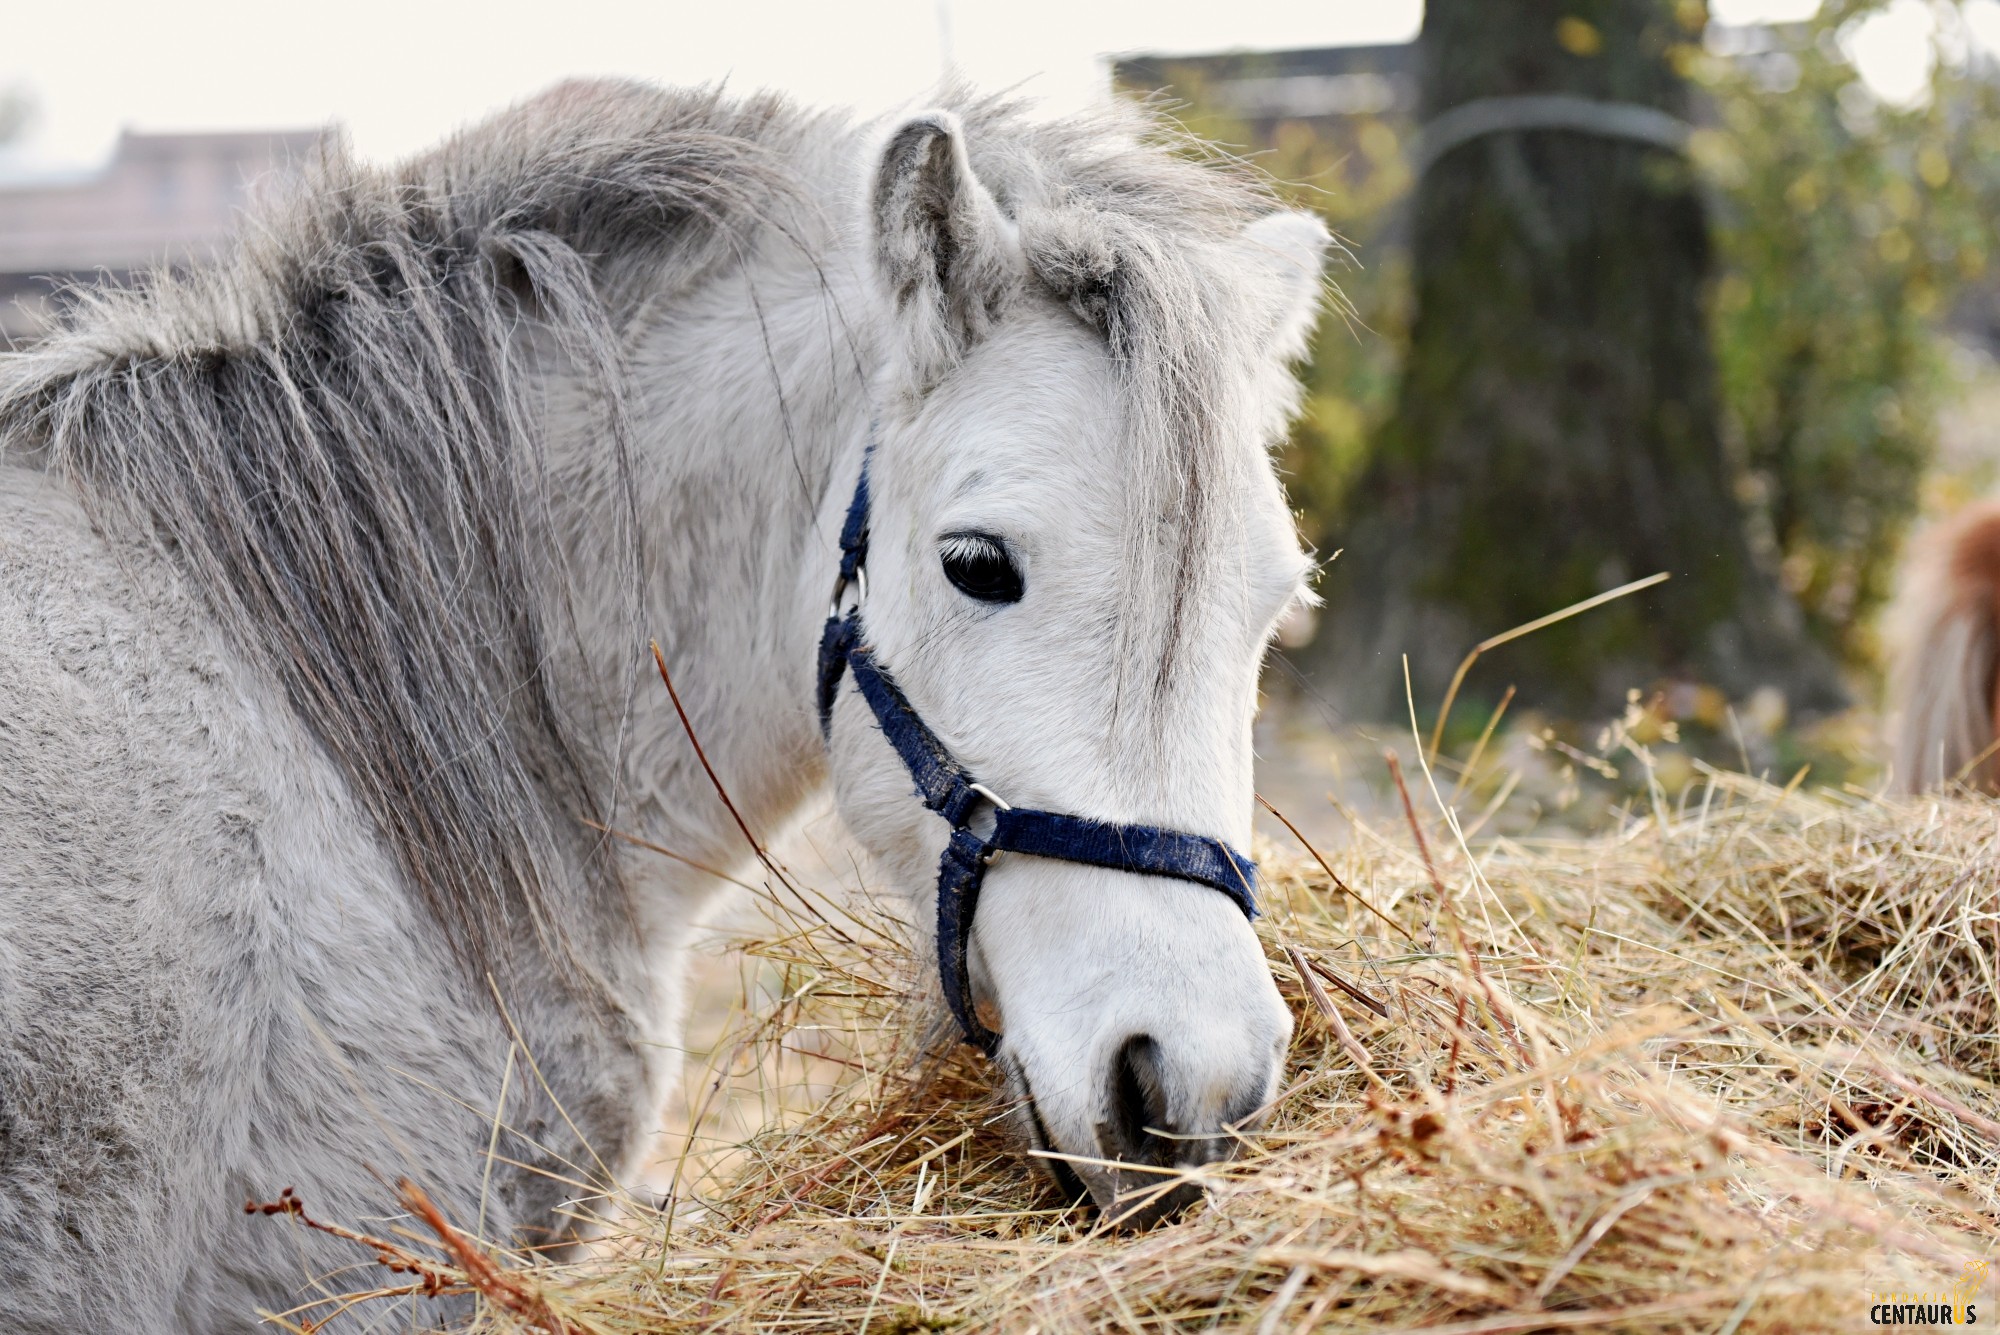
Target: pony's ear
[
  {"x": 1288, "y": 250},
  {"x": 947, "y": 255}
]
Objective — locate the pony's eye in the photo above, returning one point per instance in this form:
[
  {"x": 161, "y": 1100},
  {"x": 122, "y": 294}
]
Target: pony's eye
[{"x": 978, "y": 566}]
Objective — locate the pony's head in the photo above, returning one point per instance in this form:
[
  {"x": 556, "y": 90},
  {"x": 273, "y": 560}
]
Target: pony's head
[{"x": 1078, "y": 551}]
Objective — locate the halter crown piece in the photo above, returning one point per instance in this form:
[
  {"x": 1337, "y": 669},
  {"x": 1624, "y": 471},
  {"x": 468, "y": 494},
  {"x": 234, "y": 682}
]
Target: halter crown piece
[{"x": 946, "y": 788}]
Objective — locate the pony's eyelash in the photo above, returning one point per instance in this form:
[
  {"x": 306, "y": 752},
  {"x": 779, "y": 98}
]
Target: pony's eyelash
[{"x": 971, "y": 546}]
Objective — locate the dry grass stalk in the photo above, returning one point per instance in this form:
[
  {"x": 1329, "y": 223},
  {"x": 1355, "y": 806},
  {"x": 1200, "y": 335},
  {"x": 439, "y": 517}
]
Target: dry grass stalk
[{"x": 1731, "y": 1068}]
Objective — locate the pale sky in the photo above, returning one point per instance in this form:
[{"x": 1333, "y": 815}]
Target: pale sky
[{"x": 400, "y": 73}]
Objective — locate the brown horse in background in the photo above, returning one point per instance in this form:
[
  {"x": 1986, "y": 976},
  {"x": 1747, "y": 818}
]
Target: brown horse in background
[{"x": 1945, "y": 678}]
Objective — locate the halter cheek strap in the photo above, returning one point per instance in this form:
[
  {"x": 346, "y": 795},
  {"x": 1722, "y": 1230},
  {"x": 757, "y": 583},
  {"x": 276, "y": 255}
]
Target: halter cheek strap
[{"x": 944, "y": 786}]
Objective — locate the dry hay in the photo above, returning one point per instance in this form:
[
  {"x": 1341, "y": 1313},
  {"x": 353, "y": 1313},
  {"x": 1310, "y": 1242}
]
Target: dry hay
[{"x": 1731, "y": 1068}]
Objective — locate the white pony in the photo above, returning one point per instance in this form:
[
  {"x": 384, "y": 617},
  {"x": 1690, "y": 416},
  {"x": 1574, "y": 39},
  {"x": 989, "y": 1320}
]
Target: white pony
[{"x": 326, "y": 579}]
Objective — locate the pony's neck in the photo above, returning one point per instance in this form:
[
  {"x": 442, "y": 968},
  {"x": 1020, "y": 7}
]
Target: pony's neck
[{"x": 750, "y": 411}]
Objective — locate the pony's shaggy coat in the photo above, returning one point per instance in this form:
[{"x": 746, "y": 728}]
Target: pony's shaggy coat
[{"x": 325, "y": 579}]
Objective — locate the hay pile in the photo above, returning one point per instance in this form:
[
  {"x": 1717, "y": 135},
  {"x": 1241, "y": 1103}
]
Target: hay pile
[{"x": 1735, "y": 1067}]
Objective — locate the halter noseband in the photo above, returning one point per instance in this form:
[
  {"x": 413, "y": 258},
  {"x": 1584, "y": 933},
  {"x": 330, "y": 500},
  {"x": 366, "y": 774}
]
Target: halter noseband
[{"x": 946, "y": 788}]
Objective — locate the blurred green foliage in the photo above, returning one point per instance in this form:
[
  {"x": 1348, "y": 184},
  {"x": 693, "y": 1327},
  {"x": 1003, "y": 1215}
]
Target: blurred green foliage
[
  {"x": 1351, "y": 381},
  {"x": 1846, "y": 231}
]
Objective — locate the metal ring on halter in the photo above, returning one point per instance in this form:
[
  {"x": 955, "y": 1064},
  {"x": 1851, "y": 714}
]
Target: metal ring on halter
[
  {"x": 840, "y": 587},
  {"x": 999, "y": 802},
  {"x": 991, "y": 796}
]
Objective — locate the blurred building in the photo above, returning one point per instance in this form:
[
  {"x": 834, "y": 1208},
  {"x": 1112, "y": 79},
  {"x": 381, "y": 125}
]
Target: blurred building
[
  {"x": 1329, "y": 85},
  {"x": 162, "y": 198}
]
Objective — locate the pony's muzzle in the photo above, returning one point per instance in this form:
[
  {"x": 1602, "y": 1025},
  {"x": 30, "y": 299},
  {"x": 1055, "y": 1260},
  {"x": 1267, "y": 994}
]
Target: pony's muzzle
[
  {"x": 1137, "y": 1173},
  {"x": 1141, "y": 1128},
  {"x": 1141, "y": 1031}
]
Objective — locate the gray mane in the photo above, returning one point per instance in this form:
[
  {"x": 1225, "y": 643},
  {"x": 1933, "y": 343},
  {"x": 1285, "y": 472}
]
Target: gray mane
[{"x": 331, "y": 431}]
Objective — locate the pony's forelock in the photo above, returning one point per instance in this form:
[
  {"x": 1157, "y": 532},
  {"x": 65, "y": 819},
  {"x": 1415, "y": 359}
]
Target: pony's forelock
[{"x": 1128, "y": 221}]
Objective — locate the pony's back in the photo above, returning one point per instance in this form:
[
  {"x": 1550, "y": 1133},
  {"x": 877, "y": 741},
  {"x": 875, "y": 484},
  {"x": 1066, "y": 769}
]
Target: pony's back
[{"x": 1945, "y": 637}]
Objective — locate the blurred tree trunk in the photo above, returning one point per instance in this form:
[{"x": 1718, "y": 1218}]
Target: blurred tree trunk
[{"x": 1556, "y": 432}]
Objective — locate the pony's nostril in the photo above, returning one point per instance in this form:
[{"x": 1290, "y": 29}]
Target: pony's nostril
[
  {"x": 1138, "y": 1105},
  {"x": 1139, "y": 1130}
]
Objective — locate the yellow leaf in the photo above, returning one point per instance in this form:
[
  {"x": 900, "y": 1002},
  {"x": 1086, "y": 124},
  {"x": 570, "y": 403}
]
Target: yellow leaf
[{"x": 1578, "y": 37}]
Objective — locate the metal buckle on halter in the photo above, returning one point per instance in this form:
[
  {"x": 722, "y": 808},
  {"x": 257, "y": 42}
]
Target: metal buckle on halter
[
  {"x": 840, "y": 588},
  {"x": 1000, "y": 804}
]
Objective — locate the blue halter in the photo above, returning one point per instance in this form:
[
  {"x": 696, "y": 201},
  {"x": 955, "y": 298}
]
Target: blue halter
[{"x": 946, "y": 788}]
